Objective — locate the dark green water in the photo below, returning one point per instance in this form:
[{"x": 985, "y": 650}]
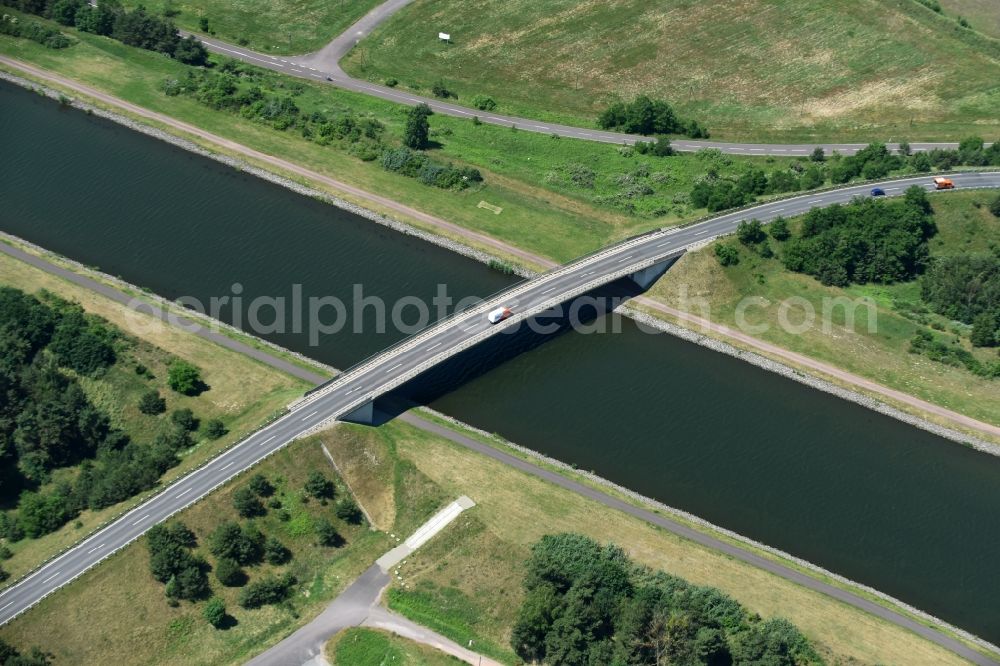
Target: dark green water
[{"x": 860, "y": 494}]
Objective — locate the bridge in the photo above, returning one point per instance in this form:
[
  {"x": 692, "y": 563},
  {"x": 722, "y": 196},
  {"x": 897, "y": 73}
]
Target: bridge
[{"x": 354, "y": 394}]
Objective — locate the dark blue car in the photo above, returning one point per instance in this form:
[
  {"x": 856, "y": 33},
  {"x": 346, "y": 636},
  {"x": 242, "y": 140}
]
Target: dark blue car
[{"x": 878, "y": 192}]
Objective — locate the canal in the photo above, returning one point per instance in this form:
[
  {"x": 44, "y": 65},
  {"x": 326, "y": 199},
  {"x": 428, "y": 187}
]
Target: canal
[{"x": 858, "y": 493}]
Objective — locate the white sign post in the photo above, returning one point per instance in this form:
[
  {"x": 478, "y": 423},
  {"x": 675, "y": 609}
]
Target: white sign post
[{"x": 444, "y": 36}]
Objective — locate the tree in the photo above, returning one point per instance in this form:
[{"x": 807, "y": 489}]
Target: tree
[
  {"x": 440, "y": 90},
  {"x": 268, "y": 590},
  {"x": 995, "y": 206},
  {"x": 4, "y": 575},
  {"x": 727, "y": 254},
  {"x": 260, "y": 485},
  {"x": 904, "y": 148},
  {"x": 327, "y": 534},
  {"x": 275, "y": 552},
  {"x": 184, "y": 419},
  {"x": 319, "y": 486},
  {"x": 812, "y": 178},
  {"x": 215, "y": 612},
  {"x": 99, "y": 20},
  {"x": 244, "y": 545},
  {"x": 191, "y": 51},
  {"x": 247, "y": 503},
  {"x": 229, "y": 573},
  {"x": 348, "y": 511},
  {"x": 417, "y": 131},
  {"x": 64, "y": 11},
  {"x": 779, "y": 229},
  {"x": 484, "y": 103},
  {"x": 750, "y": 233},
  {"x": 986, "y": 329},
  {"x": 151, "y": 403},
  {"x": 214, "y": 429},
  {"x": 818, "y": 154},
  {"x": 185, "y": 378}
]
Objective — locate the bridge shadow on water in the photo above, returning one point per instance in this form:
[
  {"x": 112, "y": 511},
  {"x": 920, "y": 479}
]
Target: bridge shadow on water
[{"x": 586, "y": 310}]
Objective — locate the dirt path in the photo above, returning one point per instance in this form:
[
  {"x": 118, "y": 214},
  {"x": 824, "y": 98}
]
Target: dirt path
[{"x": 853, "y": 381}]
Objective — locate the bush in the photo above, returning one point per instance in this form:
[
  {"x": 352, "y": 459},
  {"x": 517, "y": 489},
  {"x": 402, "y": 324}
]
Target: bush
[
  {"x": 439, "y": 90},
  {"x": 243, "y": 545},
  {"x": 484, "y": 103},
  {"x": 229, "y": 573},
  {"x": 779, "y": 229},
  {"x": 319, "y": 486},
  {"x": 818, "y": 154},
  {"x": 247, "y": 504},
  {"x": 750, "y": 233},
  {"x": 727, "y": 254},
  {"x": 151, "y": 403},
  {"x": 275, "y": 552},
  {"x": 215, "y": 612},
  {"x": 391, "y": 83},
  {"x": 260, "y": 485},
  {"x": 348, "y": 511},
  {"x": 184, "y": 419},
  {"x": 5, "y": 553},
  {"x": 266, "y": 591},
  {"x": 646, "y": 116},
  {"x": 185, "y": 378},
  {"x": 995, "y": 206},
  {"x": 36, "y": 32},
  {"x": 214, "y": 429},
  {"x": 327, "y": 534}
]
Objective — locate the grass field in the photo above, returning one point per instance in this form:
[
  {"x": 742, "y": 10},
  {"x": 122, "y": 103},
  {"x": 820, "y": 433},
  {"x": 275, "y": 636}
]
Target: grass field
[
  {"x": 228, "y": 374},
  {"x": 528, "y": 175},
  {"x": 964, "y": 225},
  {"x": 983, "y": 15},
  {"x": 281, "y": 27},
  {"x": 748, "y": 69},
  {"x": 370, "y": 647}
]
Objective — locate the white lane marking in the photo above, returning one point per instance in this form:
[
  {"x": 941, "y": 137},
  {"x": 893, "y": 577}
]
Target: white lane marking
[
  {"x": 548, "y": 290},
  {"x": 435, "y": 346},
  {"x": 699, "y": 233},
  {"x": 393, "y": 368},
  {"x": 662, "y": 244},
  {"x": 775, "y": 210},
  {"x": 146, "y": 516},
  {"x": 309, "y": 416},
  {"x": 95, "y": 548},
  {"x": 10, "y": 604},
  {"x": 242, "y": 55},
  {"x": 625, "y": 258},
  {"x": 297, "y": 71},
  {"x": 268, "y": 440},
  {"x": 227, "y": 465},
  {"x": 50, "y": 578},
  {"x": 182, "y": 494}
]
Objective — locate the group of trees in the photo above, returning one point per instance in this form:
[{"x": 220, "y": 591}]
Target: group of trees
[
  {"x": 11, "y": 656},
  {"x": 172, "y": 562},
  {"x": 864, "y": 241},
  {"x": 650, "y": 117},
  {"x": 589, "y": 604},
  {"x": 715, "y": 193},
  {"x": 925, "y": 343},
  {"x": 135, "y": 28},
  {"x": 966, "y": 288},
  {"x": 47, "y": 421},
  {"x": 415, "y": 164},
  {"x": 35, "y": 31}
]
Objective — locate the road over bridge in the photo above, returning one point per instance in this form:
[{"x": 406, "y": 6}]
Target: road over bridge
[{"x": 362, "y": 384}]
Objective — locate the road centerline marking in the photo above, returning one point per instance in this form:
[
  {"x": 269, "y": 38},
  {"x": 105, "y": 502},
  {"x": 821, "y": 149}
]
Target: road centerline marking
[
  {"x": 268, "y": 440},
  {"x": 50, "y": 578},
  {"x": 95, "y": 548},
  {"x": 309, "y": 416},
  {"x": 147, "y": 515}
]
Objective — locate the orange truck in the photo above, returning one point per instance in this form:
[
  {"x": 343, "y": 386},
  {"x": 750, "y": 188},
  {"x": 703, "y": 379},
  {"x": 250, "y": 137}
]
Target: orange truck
[{"x": 944, "y": 184}]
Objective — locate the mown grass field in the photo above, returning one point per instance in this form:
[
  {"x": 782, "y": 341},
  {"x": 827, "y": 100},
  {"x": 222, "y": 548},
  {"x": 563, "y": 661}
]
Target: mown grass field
[
  {"x": 281, "y": 27},
  {"x": 529, "y": 176},
  {"x": 982, "y": 15},
  {"x": 370, "y": 647},
  {"x": 748, "y": 69},
  {"x": 244, "y": 394},
  {"x": 964, "y": 225}
]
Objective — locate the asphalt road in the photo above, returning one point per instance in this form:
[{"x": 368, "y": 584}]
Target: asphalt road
[
  {"x": 371, "y": 378},
  {"x": 324, "y": 65}
]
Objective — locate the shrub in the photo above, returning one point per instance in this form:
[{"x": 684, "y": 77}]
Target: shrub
[
  {"x": 439, "y": 90},
  {"x": 995, "y": 206},
  {"x": 647, "y": 116},
  {"x": 5, "y": 553},
  {"x": 779, "y": 229},
  {"x": 266, "y": 591},
  {"x": 151, "y": 403},
  {"x": 392, "y": 83},
  {"x": 319, "y": 486},
  {"x": 185, "y": 378},
  {"x": 260, "y": 485},
  {"x": 818, "y": 154},
  {"x": 327, "y": 534},
  {"x": 484, "y": 103},
  {"x": 215, "y": 612},
  {"x": 750, "y": 233},
  {"x": 229, "y": 573},
  {"x": 348, "y": 511},
  {"x": 247, "y": 504},
  {"x": 727, "y": 254},
  {"x": 184, "y": 419},
  {"x": 4, "y": 574},
  {"x": 243, "y": 545},
  {"x": 275, "y": 552},
  {"x": 214, "y": 429}
]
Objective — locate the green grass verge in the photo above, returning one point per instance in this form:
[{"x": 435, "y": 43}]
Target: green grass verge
[
  {"x": 281, "y": 27},
  {"x": 982, "y": 15},
  {"x": 749, "y": 69},
  {"x": 369, "y": 647}
]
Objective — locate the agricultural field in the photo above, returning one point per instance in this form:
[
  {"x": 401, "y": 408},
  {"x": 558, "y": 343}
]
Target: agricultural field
[{"x": 749, "y": 70}]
